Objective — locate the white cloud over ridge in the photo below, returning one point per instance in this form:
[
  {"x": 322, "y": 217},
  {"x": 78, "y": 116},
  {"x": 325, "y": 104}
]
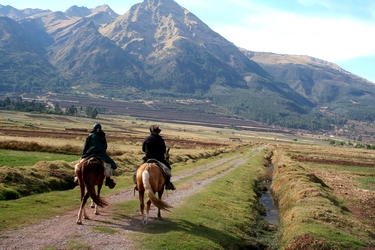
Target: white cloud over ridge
[{"x": 331, "y": 39}]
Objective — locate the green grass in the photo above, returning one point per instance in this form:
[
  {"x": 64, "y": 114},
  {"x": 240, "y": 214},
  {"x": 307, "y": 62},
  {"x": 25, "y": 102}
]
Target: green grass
[
  {"x": 12, "y": 158},
  {"x": 222, "y": 215},
  {"x": 77, "y": 244},
  {"x": 367, "y": 183},
  {"x": 351, "y": 169},
  {"x": 104, "y": 230},
  {"x": 19, "y": 213}
]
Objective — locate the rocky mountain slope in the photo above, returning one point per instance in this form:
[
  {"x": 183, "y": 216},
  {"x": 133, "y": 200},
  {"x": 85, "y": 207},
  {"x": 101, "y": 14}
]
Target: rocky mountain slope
[{"x": 323, "y": 83}]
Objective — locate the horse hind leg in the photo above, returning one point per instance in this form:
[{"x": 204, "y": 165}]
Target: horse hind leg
[
  {"x": 142, "y": 205},
  {"x": 96, "y": 211},
  {"x": 160, "y": 193},
  {"x": 148, "y": 210},
  {"x": 79, "y": 218},
  {"x": 93, "y": 205},
  {"x": 82, "y": 210}
]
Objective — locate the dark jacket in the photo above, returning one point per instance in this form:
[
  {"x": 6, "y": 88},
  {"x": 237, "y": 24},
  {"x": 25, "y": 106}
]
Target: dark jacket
[
  {"x": 154, "y": 147},
  {"x": 96, "y": 145}
]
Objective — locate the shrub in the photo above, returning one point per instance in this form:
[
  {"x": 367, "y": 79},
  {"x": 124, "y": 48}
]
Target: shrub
[{"x": 8, "y": 193}]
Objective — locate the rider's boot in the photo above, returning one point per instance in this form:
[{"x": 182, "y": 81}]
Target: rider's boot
[
  {"x": 168, "y": 184},
  {"x": 109, "y": 182}
]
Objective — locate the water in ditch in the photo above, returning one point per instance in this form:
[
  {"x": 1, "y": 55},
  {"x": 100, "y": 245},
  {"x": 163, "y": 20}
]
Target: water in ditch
[{"x": 272, "y": 216}]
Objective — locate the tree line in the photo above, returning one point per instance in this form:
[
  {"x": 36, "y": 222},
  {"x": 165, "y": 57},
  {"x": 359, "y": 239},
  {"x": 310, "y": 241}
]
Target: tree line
[
  {"x": 22, "y": 105},
  {"x": 351, "y": 144}
]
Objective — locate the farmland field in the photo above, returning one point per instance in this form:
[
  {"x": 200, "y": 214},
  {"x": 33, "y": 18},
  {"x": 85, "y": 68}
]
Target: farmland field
[{"x": 324, "y": 194}]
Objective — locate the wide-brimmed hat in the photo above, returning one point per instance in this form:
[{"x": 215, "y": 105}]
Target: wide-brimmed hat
[{"x": 154, "y": 129}]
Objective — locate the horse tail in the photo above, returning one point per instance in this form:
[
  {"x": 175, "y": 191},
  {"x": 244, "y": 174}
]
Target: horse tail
[
  {"x": 90, "y": 186},
  {"x": 155, "y": 200}
]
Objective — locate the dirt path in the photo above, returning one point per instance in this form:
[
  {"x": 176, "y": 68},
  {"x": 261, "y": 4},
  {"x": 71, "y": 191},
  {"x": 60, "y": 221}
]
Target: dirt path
[{"x": 62, "y": 230}]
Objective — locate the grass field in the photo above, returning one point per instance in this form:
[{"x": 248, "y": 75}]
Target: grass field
[{"x": 18, "y": 158}]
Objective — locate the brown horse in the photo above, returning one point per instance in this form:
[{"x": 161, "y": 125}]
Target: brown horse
[
  {"x": 90, "y": 172},
  {"x": 150, "y": 179}
]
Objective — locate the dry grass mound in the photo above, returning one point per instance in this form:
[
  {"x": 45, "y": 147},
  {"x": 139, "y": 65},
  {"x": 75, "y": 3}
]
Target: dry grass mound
[
  {"x": 17, "y": 182},
  {"x": 311, "y": 217},
  {"x": 34, "y": 146}
]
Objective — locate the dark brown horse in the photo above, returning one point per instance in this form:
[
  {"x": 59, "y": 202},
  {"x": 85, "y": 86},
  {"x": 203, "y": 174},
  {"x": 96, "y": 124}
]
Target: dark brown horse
[
  {"x": 90, "y": 173},
  {"x": 150, "y": 179}
]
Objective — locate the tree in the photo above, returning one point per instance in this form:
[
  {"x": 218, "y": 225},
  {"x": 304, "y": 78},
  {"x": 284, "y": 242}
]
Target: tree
[
  {"x": 57, "y": 108},
  {"x": 71, "y": 110},
  {"x": 91, "y": 112},
  {"x": 7, "y": 102}
]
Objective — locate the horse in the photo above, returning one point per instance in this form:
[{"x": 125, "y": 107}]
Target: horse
[
  {"x": 90, "y": 172},
  {"x": 150, "y": 179}
]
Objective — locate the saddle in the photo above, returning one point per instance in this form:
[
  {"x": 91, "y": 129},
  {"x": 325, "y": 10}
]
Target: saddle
[
  {"x": 161, "y": 165},
  {"x": 91, "y": 158}
]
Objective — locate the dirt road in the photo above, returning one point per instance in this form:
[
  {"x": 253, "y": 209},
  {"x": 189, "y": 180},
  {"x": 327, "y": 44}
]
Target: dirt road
[{"x": 61, "y": 231}]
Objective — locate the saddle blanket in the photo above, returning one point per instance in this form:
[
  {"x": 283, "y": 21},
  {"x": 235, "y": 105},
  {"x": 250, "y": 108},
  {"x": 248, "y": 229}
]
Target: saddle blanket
[{"x": 165, "y": 169}]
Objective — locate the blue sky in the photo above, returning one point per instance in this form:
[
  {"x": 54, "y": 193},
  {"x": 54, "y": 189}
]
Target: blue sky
[{"x": 338, "y": 31}]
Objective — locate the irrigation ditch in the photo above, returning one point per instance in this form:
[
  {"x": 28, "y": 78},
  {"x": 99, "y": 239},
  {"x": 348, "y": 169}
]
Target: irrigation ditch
[{"x": 272, "y": 216}]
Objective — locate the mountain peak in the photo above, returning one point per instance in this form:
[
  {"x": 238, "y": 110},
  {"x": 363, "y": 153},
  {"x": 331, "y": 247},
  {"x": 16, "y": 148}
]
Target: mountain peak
[
  {"x": 11, "y": 12},
  {"x": 77, "y": 11},
  {"x": 104, "y": 8}
]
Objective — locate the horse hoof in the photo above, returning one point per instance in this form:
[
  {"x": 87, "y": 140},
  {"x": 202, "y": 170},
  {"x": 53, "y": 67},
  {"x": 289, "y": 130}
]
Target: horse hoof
[
  {"x": 79, "y": 222},
  {"x": 97, "y": 213}
]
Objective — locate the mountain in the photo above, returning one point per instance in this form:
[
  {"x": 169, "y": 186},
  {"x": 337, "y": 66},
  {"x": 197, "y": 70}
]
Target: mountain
[
  {"x": 323, "y": 83},
  {"x": 11, "y": 12},
  {"x": 176, "y": 46},
  {"x": 76, "y": 11},
  {"x": 100, "y": 15},
  {"x": 22, "y": 62},
  {"x": 160, "y": 51},
  {"x": 16, "y": 14},
  {"x": 184, "y": 56},
  {"x": 89, "y": 60}
]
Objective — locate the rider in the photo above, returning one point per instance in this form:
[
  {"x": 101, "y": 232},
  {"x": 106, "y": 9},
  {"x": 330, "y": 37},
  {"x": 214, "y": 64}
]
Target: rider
[
  {"x": 96, "y": 146},
  {"x": 154, "y": 148}
]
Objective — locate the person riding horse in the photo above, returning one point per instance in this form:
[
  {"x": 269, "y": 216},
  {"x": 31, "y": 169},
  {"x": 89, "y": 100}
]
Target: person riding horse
[
  {"x": 154, "y": 148},
  {"x": 96, "y": 146}
]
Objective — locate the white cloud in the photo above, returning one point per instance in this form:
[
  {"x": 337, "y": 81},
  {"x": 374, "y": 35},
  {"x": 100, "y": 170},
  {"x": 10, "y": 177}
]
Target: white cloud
[{"x": 285, "y": 33}]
